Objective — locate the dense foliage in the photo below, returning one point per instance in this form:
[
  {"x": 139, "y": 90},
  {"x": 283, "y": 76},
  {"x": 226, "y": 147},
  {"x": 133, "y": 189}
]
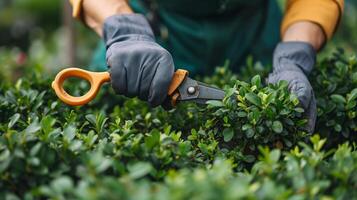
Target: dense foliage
[
  {"x": 251, "y": 145},
  {"x": 335, "y": 85}
]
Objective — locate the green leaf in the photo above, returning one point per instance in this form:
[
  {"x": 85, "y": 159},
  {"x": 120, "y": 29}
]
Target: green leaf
[
  {"x": 256, "y": 80},
  {"x": 91, "y": 118},
  {"x": 299, "y": 110},
  {"x": 249, "y": 158},
  {"x": 62, "y": 184},
  {"x": 35, "y": 149},
  {"x": 253, "y": 98},
  {"x": 254, "y": 116},
  {"x": 246, "y": 127},
  {"x": 228, "y": 134},
  {"x": 69, "y": 132},
  {"x": 5, "y": 160},
  {"x": 352, "y": 96},
  {"x": 104, "y": 165},
  {"x": 33, "y": 128},
  {"x": 277, "y": 127},
  {"x": 338, "y": 128},
  {"x": 47, "y": 124},
  {"x": 274, "y": 155},
  {"x": 249, "y": 133},
  {"x": 338, "y": 99},
  {"x": 242, "y": 114},
  {"x": 75, "y": 145},
  {"x": 153, "y": 139},
  {"x": 215, "y": 103},
  {"x": 139, "y": 169},
  {"x": 354, "y": 77},
  {"x": 285, "y": 112},
  {"x": 13, "y": 120},
  {"x": 351, "y": 104}
]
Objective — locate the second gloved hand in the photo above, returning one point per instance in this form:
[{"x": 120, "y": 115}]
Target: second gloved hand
[
  {"x": 292, "y": 62},
  {"x": 139, "y": 67}
]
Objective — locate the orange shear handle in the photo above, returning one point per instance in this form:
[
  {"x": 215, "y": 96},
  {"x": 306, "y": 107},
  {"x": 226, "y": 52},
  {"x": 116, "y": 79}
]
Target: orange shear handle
[{"x": 96, "y": 79}]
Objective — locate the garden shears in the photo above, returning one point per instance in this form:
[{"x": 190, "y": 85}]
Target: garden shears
[{"x": 181, "y": 89}]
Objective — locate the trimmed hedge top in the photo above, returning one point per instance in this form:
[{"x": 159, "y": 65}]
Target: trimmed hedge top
[{"x": 251, "y": 145}]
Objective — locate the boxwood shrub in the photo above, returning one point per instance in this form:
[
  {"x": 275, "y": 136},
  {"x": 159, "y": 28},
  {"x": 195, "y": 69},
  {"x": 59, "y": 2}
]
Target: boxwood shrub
[{"x": 251, "y": 145}]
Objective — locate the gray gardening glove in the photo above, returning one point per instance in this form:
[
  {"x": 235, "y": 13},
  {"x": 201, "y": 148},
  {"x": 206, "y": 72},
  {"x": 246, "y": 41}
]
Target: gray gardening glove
[
  {"x": 139, "y": 67},
  {"x": 293, "y": 62}
]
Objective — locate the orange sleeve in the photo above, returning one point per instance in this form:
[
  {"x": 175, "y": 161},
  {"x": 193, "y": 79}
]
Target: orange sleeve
[
  {"x": 77, "y": 8},
  {"x": 325, "y": 13}
]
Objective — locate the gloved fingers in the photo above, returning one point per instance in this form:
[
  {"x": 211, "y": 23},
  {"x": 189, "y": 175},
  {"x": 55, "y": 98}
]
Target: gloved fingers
[
  {"x": 311, "y": 115},
  {"x": 140, "y": 58},
  {"x": 141, "y": 69},
  {"x": 118, "y": 74},
  {"x": 119, "y": 80},
  {"x": 146, "y": 75},
  {"x": 161, "y": 80},
  {"x": 299, "y": 54},
  {"x": 138, "y": 65},
  {"x": 292, "y": 61},
  {"x": 297, "y": 84},
  {"x": 129, "y": 62},
  {"x": 302, "y": 90}
]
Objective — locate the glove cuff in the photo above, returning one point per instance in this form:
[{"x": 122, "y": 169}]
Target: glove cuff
[
  {"x": 300, "y": 54},
  {"x": 125, "y": 27}
]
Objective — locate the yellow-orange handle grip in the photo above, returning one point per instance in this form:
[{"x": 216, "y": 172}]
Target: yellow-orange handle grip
[{"x": 96, "y": 79}]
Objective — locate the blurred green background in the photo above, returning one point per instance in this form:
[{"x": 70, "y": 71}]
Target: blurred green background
[{"x": 41, "y": 35}]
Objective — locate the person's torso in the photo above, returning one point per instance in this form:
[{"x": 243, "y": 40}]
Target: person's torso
[
  {"x": 206, "y": 8},
  {"x": 203, "y": 34}
]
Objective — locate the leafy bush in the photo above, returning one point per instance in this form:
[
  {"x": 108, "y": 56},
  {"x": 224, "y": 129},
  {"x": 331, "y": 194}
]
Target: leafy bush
[
  {"x": 251, "y": 145},
  {"x": 255, "y": 115},
  {"x": 335, "y": 85},
  {"x": 303, "y": 173}
]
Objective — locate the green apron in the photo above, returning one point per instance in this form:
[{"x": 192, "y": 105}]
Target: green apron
[{"x": 203, "y": 34}]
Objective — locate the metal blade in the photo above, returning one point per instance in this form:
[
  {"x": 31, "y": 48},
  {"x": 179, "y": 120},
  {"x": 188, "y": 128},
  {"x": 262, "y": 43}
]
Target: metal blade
[
  {"x": 192, "y": 90},
  {"x": 209, "y": 93}
]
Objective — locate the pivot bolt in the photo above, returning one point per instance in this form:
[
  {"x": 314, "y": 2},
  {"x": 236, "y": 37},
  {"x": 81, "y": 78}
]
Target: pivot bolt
[{"x": 191, "y": 90}]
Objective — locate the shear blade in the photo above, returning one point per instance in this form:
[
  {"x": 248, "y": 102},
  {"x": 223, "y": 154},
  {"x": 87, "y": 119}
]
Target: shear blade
[{"x": 194, "y": 91}]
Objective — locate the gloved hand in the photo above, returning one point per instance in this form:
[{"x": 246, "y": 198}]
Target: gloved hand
[
  {"x": 293, "y": 62},
  {"x": 139, "y": 67}
]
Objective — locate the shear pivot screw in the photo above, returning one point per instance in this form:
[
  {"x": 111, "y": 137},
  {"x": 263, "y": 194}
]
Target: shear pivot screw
[{"x": 191, "y": 90}]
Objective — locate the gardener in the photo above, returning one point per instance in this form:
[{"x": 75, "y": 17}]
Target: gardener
[{"x": 142, "y": 50}]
